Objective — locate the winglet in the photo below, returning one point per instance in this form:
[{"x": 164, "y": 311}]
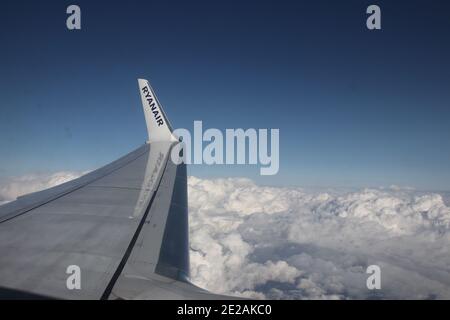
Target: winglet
[{"x": 158, "y": 126}]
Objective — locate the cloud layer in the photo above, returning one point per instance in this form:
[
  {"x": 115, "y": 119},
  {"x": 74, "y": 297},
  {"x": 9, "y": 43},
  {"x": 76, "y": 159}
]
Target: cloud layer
[
  {"x": 292, "y": 243},
  {"x": 14, "y": 187}
]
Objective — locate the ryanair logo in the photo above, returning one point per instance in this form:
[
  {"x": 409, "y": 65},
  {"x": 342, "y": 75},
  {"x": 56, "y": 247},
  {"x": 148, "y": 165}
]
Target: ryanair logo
[{"x": 151, "y": 101}]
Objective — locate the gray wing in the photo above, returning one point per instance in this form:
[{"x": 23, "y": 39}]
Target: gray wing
[{"x": 124, "y": 225}]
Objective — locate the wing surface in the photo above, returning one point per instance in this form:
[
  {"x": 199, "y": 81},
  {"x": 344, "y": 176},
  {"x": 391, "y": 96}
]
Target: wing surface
[{"x": 125, "y": 226}]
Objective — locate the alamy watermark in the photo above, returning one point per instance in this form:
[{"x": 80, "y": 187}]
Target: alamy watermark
[
  {"x": 374, "y": 20},
  {"x": 73, "y": 281},
  {"x": 73, "y": 21},
  {"x": 235, "y": 146},
  {"x": 374, "y": 280}
]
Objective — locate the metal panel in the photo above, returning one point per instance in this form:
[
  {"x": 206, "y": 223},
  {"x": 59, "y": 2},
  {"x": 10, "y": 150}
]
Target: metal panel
[
  {"x": 125, "y": 225},
  {"x": 88, "y": 222}
]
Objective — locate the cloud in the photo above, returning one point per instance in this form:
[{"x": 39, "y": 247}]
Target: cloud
[
  {"x": 14, "y": 187},
  {"x": 293, "y": 243}
]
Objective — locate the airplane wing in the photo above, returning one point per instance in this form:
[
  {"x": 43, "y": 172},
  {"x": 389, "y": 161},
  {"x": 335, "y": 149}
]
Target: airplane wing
[{"x": 123, "y": 229}]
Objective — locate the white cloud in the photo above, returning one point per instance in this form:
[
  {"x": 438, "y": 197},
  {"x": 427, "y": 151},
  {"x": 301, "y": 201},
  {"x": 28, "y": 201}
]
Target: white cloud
[
  {"x": 295, "y": 243},
  {"x": 292, "y": 243},
  {"x": 18, "y": 186}
]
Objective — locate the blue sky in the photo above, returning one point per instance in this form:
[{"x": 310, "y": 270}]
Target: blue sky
[{"x": 354, "y": 107}]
